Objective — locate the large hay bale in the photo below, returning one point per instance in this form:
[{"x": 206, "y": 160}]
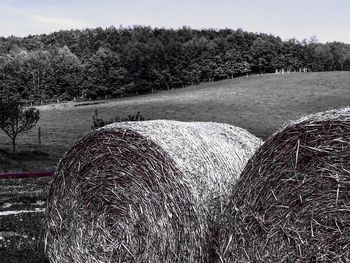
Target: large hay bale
[
  {"x": 144, "y": 191},
  {"x": 292, "y": 201}
]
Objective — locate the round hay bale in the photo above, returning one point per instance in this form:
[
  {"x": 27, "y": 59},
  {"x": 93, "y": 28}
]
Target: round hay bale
[
  {"x": 143, "y": 191},
  {"x": 292, "y": 201}
]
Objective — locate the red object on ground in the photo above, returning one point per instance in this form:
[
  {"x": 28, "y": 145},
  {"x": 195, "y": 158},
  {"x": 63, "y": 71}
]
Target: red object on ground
[{"x": 25, "y": 175}]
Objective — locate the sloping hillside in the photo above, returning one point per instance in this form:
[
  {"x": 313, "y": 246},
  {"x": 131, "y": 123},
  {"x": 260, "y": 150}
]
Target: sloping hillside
[{"x": 258, "y": 103}]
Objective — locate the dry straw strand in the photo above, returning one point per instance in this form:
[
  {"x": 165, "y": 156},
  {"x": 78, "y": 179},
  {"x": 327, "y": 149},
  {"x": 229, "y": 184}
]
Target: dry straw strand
[
  {"x": 144, "y": 191},
  {"x": 291, "y": 203}
]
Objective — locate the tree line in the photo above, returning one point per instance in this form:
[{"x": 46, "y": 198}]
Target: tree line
[{"x": 115, "y": 62}]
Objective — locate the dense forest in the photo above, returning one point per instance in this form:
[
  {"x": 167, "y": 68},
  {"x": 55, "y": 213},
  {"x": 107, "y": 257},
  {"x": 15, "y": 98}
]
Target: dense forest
[{"x": 115, "y": 62}]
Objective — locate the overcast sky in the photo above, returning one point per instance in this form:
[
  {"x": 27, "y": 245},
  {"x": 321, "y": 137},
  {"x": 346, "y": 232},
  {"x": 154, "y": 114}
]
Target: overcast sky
[{"x": 329, "y": 20}]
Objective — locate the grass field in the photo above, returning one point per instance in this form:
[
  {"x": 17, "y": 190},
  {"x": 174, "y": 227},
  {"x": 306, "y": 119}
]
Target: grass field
[{"x": 259, "y": 104}]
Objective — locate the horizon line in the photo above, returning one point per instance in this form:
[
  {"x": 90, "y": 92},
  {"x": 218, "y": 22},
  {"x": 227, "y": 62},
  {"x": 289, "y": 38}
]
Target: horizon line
[{"x": 121, "y": 26}]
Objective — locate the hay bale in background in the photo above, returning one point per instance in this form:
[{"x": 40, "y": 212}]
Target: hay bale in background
[
  {"x": 292, "y": 202},
  {"x": 144, "y": 191}
]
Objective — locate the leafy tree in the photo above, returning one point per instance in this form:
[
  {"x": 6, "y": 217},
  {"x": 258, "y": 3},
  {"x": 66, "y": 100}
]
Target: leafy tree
[
  {"x": 13, "y": 74},
  {"x": 347, "y": 62},
  {"x": 104, "y": 74},
  {"x": 67, "y": 74},
  {"x": 16, "y": 119},
  {"x": 263, "y": 51},
  {"x": 323, "y": 58}
]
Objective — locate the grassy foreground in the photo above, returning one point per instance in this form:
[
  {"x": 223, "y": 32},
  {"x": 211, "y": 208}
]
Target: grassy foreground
[
  {"x": 258, "y": 104},
  {"x": 22, "y": 220}
]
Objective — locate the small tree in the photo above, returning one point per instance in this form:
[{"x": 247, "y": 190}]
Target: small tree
[{"x": 15, "y": 118}]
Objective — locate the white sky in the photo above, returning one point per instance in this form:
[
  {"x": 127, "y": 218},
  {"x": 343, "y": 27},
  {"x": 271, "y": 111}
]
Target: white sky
[{"x": 328, "y": 20}]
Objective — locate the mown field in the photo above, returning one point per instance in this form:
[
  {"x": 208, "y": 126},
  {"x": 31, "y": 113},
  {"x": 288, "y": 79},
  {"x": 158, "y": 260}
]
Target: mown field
[
  {"x": 259, "y": 104},
  {"x": 22, "y": 224}
]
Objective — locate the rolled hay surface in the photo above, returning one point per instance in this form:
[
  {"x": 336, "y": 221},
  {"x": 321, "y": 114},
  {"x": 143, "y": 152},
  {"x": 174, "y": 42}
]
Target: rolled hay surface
[
  {"x": 144, "y": 191},
  {"x": 292, "y": 201}
]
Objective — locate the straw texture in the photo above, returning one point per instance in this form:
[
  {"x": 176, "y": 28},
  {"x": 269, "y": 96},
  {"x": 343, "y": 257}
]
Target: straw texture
[
  {"x": 292, "y": 202},
  {"x": 144, "y": 192}
]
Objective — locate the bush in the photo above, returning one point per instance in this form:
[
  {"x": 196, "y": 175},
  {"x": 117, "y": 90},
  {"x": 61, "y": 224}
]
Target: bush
[{"x": 98, "y": 123}]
